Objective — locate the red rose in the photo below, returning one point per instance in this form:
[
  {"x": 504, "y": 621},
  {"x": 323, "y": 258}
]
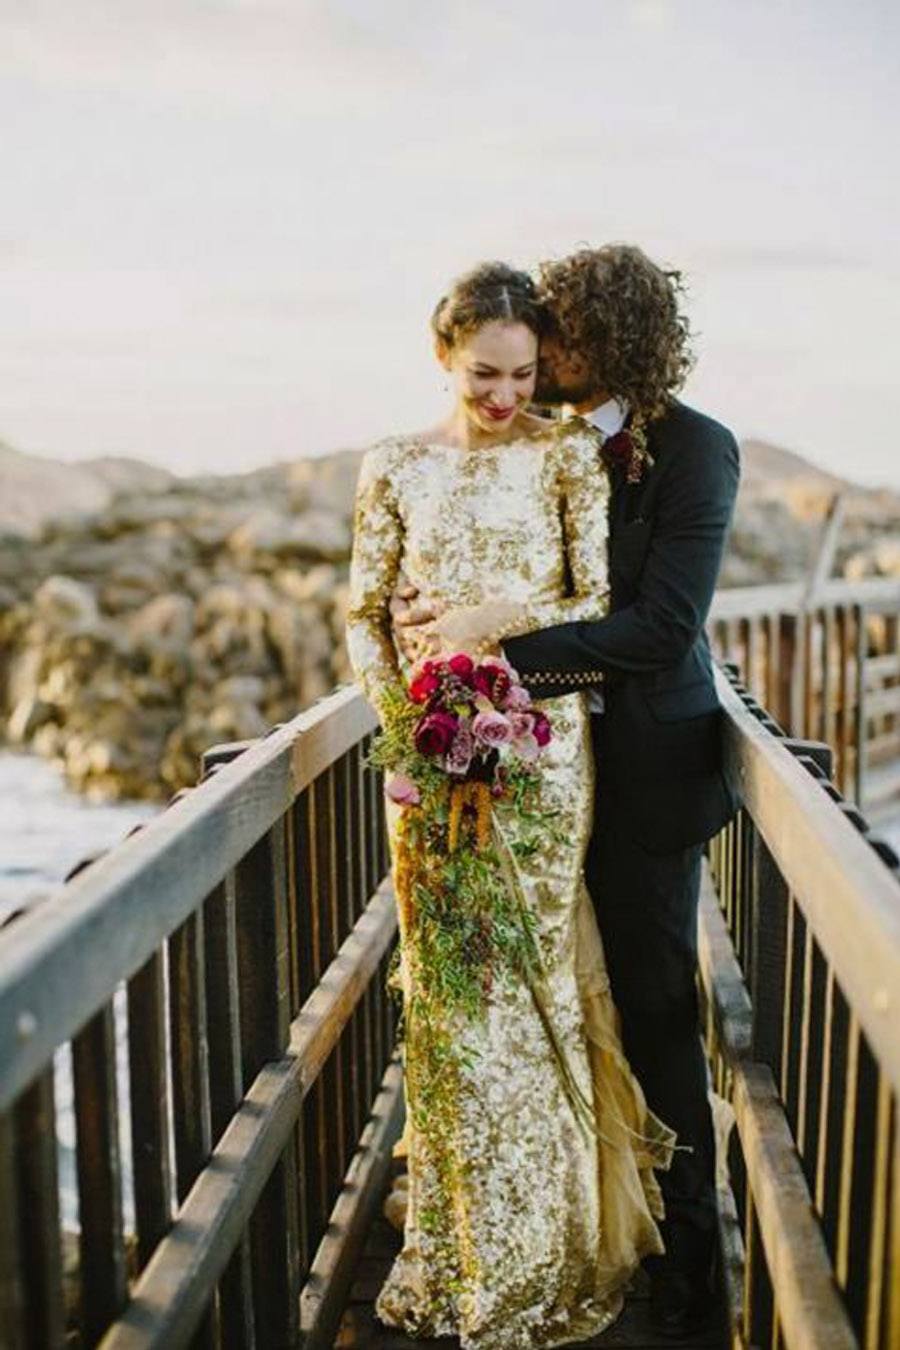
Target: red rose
[
  {"x": 423, "y": 686},
  {"x": 435, "y": 733},
  {"x": 462, "y": 667},
  {"x": 541, "y": 729}
]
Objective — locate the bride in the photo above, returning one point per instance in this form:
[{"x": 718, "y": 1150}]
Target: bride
[{"x": 525, "y": 1220}]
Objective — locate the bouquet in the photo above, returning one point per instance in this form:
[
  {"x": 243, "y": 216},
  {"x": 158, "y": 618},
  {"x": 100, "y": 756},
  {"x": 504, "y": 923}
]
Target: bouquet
[
  {"x": 461, "y": 746},
  {"x": 478, "y": 726}
]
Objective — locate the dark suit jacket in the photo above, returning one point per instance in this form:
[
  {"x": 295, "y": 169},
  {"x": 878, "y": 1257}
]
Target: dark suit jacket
[{"x": 659, "y": 755}]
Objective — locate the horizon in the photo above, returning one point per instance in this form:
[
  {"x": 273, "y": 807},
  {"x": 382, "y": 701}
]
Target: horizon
[{"x": 227, "y": 225}]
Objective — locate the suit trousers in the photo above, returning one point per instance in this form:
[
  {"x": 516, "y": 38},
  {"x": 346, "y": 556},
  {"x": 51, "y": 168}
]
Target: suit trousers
[{"x": 646, "y": 906}]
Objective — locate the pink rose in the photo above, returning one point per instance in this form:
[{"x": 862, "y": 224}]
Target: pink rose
[
  {"x": 522, "y": 724},
  {"x": 435, "y": 732},
  {"x": 402, "y": 790},
  {"x": 517, "y": 699},
  {"x": 459, "y": 756},
  {"x": 492, "y": 729}
]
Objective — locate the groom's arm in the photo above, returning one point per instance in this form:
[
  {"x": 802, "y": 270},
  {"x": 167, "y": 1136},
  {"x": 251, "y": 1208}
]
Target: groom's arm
[{"x": 678, "y": 580}]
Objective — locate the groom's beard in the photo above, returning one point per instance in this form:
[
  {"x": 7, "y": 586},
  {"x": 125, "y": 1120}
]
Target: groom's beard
[{"x": 550, "y": 391}]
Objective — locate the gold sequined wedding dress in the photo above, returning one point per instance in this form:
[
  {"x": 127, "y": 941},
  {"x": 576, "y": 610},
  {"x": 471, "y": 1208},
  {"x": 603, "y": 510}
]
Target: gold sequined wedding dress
[{"x": 547, "y": 1221}]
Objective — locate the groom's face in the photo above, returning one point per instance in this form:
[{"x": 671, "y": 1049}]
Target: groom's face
[{"x": 564, "y": 376}]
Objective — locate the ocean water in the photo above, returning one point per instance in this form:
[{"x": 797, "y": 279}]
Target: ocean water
[{"x": 45, "y": 829}]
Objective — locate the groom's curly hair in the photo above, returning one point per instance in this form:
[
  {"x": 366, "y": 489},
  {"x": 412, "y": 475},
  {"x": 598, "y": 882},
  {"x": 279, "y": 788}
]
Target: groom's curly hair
[{"x": 621, "y": 312}]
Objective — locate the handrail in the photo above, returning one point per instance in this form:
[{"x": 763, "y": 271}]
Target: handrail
[
  {"x": 251, "y": 927},
  {"x": 850, "y": 899},
  {"x": 744, "y": 602},
  {"x": 63, "y": 959},
  {"x": 799, "y": 941}
]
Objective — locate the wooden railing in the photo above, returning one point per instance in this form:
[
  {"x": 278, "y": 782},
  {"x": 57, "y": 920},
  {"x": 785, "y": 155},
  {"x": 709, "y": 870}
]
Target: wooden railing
[
  {"x": 249, "y": 927},
  {"x": 826, "y": 664},
  {"x": 800, "y": 958}
]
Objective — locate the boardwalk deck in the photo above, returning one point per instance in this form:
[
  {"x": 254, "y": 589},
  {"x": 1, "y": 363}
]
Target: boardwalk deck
[{"x": 359, "y": 1329}]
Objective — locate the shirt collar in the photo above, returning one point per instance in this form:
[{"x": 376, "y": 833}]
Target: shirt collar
[{"x": 609, "y": 417}]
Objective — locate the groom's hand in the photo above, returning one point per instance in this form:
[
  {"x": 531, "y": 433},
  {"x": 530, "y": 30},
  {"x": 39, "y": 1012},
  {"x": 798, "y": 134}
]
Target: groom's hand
[{"x": 410, "y": 611}]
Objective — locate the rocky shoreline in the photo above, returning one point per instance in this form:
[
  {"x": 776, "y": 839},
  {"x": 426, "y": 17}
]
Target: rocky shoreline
[
  {"x": 166, "y": 614},
  {"x": 134, "y": 636}
]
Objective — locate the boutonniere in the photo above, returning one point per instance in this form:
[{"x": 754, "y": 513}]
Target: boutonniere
[{"x": 627, "y": 450}]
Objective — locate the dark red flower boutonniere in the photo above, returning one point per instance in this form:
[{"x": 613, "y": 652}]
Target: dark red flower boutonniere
[{"x": 627, "y": 450}]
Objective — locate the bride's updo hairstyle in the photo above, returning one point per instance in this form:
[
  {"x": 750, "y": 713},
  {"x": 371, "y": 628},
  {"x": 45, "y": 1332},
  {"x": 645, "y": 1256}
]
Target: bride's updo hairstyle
[{"x": 491, "y": 292}]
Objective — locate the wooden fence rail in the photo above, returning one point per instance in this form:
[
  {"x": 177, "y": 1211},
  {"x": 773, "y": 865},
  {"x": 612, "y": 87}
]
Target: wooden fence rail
[
  {"x": 827, "y": 667},
  {"x": 800, "y": 954},
  {"x": 250, "y": 928}
]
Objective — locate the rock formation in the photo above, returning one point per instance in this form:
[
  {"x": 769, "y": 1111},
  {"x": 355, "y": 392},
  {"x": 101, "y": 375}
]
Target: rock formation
[{"x": 145, "y": 617}]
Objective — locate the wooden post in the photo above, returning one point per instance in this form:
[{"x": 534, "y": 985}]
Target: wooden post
[
  {"x": 149, "y": 1092},
  {"x": 102, "y": 1246},
  {"x": 39, "y": 1229},
  {"x": 262, "y": 929},
  {"x": 860, "y": 729}
]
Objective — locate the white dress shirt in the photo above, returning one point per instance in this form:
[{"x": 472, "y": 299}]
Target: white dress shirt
[{"x": 608, "y": 418}]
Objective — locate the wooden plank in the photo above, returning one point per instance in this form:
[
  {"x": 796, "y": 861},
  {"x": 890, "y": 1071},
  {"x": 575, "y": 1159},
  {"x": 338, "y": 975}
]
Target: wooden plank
[
  {"x": 226, "y": 1090},
  {"x": 169, "y": 1298},
  {"x": 721, "y": 975},
  {"x": 847, "y": 894},
  {"x": 39, "y": 1225},
  {"x": 263, "y": 965},
  {"x": 769, "y": 963},
  {"x": 736, "y": 602},
  {"x": 809, "y": 1308},
  {"x": 125, "y": 905},
  {"x": 190, "y": 1069},
  {"x": 826, "y": 548},
  {"x": 330, "y": 1276},
  {"x": 12, "y": 1275},
  {"x": 102, "y": 1245},
  {"x": 323, "y": 740},
  {"x": 149, "y": 1094}
]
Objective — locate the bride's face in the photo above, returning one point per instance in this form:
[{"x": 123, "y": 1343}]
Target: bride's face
[{"x": 495, "y": 370}]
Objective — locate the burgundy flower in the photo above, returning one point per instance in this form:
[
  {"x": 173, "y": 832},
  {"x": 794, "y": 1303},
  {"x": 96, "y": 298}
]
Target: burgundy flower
[
  {"x": 627, "y": 451},
  {"x": 492, "y": 680},
  {"x": 462, "y": 666},
  {"x": 434, "y": 734},
  {"x": 541, "y": 730}
]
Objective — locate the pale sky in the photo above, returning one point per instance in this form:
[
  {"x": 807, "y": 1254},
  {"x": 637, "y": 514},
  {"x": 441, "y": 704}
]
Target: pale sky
[{"x": 225, "y": 222}]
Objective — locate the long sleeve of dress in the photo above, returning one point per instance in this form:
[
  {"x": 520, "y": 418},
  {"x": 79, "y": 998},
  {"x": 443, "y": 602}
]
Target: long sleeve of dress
[
  {"x": 584, "y": 492},
  {"x": 374, "y": 567}
]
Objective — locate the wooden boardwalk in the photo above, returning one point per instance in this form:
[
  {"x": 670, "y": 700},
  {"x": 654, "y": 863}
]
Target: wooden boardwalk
[
  {"x": 250, "y": 927},
  {"x": 360, "y": 1330}
]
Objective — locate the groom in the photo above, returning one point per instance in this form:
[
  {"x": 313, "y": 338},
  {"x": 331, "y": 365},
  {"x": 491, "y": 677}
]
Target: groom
[{"x": 618, "y": 352}]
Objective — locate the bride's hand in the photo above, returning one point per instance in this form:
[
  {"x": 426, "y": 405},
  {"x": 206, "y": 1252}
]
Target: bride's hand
[{"x": 469, "y": 627}]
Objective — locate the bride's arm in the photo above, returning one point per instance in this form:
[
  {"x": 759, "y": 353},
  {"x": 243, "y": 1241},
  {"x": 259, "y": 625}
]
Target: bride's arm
[{"x": 374, "y": 568}]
